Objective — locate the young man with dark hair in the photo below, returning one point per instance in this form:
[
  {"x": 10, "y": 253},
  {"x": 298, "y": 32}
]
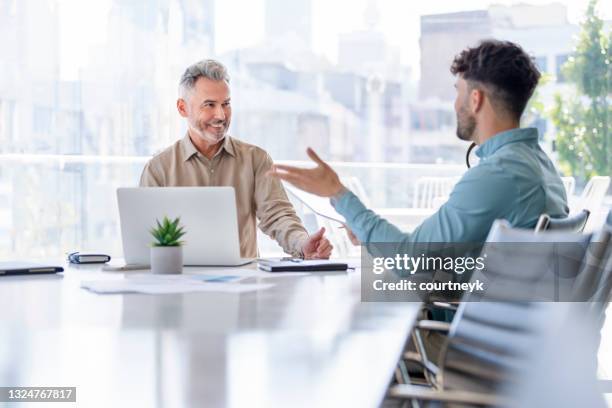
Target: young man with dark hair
[
  {"x": 514, "y": 180},
  {"x": 503, "y": 73}
]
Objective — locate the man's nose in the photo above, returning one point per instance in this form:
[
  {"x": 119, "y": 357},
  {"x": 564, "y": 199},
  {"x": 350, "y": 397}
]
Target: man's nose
[{"x": 219, "y": 113}]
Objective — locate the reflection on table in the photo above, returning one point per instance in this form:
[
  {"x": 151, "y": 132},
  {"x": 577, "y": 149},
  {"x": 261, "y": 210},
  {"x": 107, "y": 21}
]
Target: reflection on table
[{"x": 308, "y": 341}]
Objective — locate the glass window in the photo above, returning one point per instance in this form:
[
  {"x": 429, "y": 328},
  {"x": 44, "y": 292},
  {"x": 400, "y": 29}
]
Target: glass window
[
  {"x": 88, "y": 93},
  {"x": 542, "y": 64},
  {"x": 560, "y": 60}
]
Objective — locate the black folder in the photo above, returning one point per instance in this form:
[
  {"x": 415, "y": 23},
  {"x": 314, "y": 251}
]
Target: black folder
[
  {"x": 300, "y": 265},
  {"x": 27, "y": 268}
]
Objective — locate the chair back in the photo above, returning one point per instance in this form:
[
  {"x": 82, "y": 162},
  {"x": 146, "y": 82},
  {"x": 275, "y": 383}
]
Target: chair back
[
  {"x": 489, "y": 344},
  {"x": 493, "y": 332},
  {"x": 428, "y": 189},
  {"x": 570, "y": 185},
  {"x": 590, "y": 284},
  {"x": 594, "y": 192},
  {"x": 594, "y": 283},
  {"x": 354, "y": 184},
  {"x": 528, "y": 266},
  {"x": 573, "y": 223},
  {"x": 550, "y": 377},
  {"x": 603, "y": 292}
]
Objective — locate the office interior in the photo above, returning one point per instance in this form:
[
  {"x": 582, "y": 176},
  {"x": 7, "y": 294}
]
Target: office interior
[{"x": 88, "y": 94}]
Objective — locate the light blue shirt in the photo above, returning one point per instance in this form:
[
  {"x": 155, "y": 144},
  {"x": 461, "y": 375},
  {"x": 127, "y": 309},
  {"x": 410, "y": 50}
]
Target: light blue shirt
[{"x": 514, "y": 180}]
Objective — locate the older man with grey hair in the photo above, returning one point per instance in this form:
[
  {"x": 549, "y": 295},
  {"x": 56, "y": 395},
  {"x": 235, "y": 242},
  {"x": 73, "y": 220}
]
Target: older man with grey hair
[{"x": 208, "y": 156}]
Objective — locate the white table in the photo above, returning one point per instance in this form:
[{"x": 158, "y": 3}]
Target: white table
[{"x": 308, "y": 341}]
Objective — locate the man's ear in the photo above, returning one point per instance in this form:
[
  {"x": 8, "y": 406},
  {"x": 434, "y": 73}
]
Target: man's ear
[
  {"x": 181, "y": 106},
  {"x": 476, "y": 100}
]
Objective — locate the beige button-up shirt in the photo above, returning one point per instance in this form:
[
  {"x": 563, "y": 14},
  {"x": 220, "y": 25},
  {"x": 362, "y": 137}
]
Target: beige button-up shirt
[{"x": 242, "y": 166}]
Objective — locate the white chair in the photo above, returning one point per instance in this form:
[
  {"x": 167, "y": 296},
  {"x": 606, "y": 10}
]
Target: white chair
[
  {"x": 594, "y": 192},
  {"x": 596, "y": 189},
  {"x": 573, "y": 223},
  {"x": 428, "y": 190},
  {"x": 592, "y": 199},
  {"x": 570, "y": 185},
  {"x": 354, "y": 184},
  {"x": 493, "y": 339}
]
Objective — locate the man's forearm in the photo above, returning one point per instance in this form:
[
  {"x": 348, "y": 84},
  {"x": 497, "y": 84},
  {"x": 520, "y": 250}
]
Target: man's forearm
[
  {"x": 285, "y": 227},
  {"x": 364, "y": 223}
]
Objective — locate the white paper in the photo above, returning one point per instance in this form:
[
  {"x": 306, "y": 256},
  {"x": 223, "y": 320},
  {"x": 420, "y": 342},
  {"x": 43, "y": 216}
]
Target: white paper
[
  {"x": 251, "y": 273},
  {"x": 215, "y": 277},
  {"x": 167, "y": 285}
]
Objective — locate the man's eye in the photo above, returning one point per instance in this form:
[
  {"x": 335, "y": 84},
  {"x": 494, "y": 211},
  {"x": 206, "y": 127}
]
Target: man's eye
[{"x": 226, "y": 104}]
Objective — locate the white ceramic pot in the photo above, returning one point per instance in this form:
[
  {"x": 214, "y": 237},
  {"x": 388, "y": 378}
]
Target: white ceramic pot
[{"x": 167, "y": 259}]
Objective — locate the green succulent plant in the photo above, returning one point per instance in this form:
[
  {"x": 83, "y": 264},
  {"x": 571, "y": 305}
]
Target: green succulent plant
[{"x": 167, "y": 233}]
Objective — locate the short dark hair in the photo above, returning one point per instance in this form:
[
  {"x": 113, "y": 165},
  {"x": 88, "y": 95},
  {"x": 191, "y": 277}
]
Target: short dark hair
[{"x": 502, "y": 67}]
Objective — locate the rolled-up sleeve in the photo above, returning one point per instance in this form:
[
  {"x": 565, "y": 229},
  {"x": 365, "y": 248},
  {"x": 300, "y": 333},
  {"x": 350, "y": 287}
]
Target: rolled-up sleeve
[
  {"x": 482, "y": 195},
  {"x": 276, "y": 215}
]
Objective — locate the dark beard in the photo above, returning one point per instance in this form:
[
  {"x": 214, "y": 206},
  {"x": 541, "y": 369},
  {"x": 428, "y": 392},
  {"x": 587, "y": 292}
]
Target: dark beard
[{"x": 465, "y": 129}]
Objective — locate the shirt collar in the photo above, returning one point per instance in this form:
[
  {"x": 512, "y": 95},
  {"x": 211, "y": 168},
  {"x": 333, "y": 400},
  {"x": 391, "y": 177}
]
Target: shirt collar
[
  {"x": 190, "y": 150},
  {"x": 528, "y": 135}
]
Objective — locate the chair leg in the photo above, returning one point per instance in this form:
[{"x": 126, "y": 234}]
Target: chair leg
[
  {"x": 401, "y": 373},
  {"x": 430, "y": 370}
]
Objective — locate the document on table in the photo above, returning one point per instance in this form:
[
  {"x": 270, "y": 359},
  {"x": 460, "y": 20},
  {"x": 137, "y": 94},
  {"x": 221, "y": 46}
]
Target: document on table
[
  {"x": 169, "y": 284},
  {"x": 244, "y": 273}
]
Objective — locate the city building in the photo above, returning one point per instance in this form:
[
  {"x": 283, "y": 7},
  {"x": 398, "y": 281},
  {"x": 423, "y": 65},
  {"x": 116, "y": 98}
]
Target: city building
[{"x": 289, "y": 20}]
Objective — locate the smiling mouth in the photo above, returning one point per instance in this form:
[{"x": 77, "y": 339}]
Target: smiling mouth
[{"x": 217, "y": 126}]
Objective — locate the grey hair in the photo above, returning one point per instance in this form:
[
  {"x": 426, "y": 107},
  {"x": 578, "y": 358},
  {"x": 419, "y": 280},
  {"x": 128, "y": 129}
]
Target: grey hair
[{"x": 207, "y": 68}]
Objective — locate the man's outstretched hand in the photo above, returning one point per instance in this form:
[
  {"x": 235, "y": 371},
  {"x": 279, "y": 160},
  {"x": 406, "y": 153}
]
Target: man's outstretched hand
[
  {"x": 321, "y": 180},
  {"x": 317, "y": 246}
]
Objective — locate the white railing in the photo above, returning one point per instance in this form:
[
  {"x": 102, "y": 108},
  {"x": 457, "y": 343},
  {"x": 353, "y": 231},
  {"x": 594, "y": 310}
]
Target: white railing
[{"x": 51, "y": 204}]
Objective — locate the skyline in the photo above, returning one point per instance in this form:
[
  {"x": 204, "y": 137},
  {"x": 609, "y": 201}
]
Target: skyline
[
  {"x": 84, "y": 25},
  {"x": 393, "y": 22}
]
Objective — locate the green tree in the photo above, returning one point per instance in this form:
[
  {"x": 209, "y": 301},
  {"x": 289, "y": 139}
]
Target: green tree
[{"x": 583, "y": 119}]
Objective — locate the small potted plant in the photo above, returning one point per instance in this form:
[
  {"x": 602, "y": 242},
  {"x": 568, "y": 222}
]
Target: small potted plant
[{"x": 167, "y": 250}]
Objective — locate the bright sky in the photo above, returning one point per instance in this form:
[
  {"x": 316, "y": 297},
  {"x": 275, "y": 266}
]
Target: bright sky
[
  {"x": 399, "y": 20},
  {"x": 240, "y": 23},
  {"x": 83, "y": 24}
]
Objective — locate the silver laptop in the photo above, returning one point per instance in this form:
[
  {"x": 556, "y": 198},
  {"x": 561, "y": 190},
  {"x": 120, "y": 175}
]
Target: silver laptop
[{"x": 208, "y": 215}]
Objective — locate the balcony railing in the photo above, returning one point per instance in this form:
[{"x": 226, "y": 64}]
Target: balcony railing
[{"x": 52, "y": 204}]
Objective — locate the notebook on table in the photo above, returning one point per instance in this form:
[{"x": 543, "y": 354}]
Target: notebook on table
[
  {"x": 27, "y": 268},
  {"x": 300, "y": 265}
]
